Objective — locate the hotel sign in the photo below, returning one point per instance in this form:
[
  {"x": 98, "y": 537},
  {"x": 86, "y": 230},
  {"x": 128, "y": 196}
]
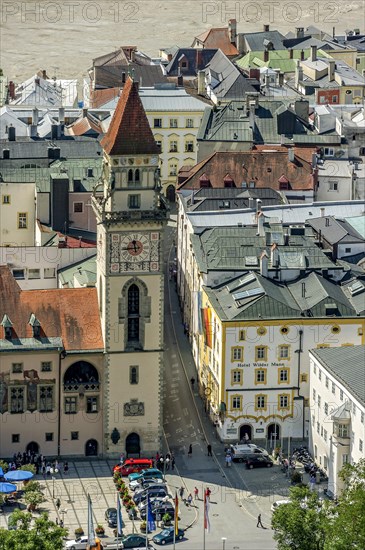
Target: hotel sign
[{"x": 261, "y": 365}]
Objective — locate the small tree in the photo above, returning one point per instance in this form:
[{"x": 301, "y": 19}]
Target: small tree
[
  {"x": 33, "y": 499},
  {"x": 32, "y": 486},
  {"x": 44, "y": 535},
  {"x": 28, "y": 468},
  {"x": 4, "y": 466}
]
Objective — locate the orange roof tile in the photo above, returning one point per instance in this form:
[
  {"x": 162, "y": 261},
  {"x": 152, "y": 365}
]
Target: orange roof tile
[
  {"x": 218, "y": 38},
  {"x": 129, "y": 132},
  {"x": 98, "y": 98},
  {"x": 264, "y": 165},
  {"x": 69, "y": 313}
]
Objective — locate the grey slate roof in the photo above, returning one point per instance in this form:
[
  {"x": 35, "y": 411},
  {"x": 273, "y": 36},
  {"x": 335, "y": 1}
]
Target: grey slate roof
[
  {"x": 71, "y": 147},
  {"x": 255, "y": 40},
  {"x": 111, "y": 76},
  {"x": 232, "y": 83},
  {"x": 214, "y": 198},
  {"x": 196, "y": 59},
  {"x": 336, "y": 231},
  {"x": 347, "y": 365}
]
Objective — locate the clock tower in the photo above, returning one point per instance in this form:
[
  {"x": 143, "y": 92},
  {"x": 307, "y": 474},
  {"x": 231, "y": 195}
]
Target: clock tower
[{"x": 131, "y": 215}]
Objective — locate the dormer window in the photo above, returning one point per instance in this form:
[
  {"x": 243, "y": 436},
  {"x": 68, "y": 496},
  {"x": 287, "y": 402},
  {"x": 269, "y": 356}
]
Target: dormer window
[
  {"x": 36, "y": 326},
  {"x": 7, "y": 324}
]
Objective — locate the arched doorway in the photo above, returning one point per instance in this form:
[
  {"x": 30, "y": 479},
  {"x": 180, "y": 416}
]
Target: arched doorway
[
  {"x": 132, "y": 444},
  {"x": 273, "y": 432},
  {"x": 245, "y": 429},
  {"x": 91, "y": 448},
  {"x": 170, "y": 193},
  {"x": 33, "y": 448}
]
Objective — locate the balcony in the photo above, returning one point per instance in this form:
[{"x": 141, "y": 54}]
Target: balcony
[
  {"x": 81, "y": 387},
  {"x": 159, "y": 214}
]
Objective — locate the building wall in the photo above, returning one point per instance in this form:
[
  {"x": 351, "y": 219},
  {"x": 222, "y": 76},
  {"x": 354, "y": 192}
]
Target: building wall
[
  {"x": 21, "y": 199},
  {"x": 328, "y": 97},
  {"x": 84, "y": 219},
  {"x": 270, "y": 335},
  {"x": 33, "y": 426},
  {"x": 343, "y": 191},
  {"x": 327, "y": 394}
]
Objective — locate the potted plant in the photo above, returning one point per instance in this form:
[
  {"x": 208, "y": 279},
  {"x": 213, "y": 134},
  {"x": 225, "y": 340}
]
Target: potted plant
[
  {"x": 296, "y": 477},
  {"x": 166, "y": 518},
  {"x": 143, "y": 526},
  {"x": 33, "y": 499},
  {"x": 132, "y": 511},
  {"x": 99, "y": 530},
  {"x": 32, "y": 486},
  {"x": 79, "y": 532}
]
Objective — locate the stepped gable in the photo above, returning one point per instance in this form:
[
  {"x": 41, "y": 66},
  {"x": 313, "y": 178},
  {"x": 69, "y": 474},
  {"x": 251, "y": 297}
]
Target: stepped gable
[{"x": 129, "y": 132}]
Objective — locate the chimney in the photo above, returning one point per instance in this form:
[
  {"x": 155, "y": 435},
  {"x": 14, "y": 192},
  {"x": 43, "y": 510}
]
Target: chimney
[
  {"x": 199, "y": 60},
  {"x": 301, "y": 108},
  {"x": 44, "y": 74},
  {"x": 169, "y": 57},
  {"x": 61, "y": 115},
  {"x": 298, "y": 74},
  {"x": 35, "y": 116},
  {"x": 260, "y": 224},
  {"x": 266, "y": 55},
  {"x": 11, "y": 133},
  {"x": 281, "y": 79},
  {"x": 291, "y": 156},
  {"x": 251, "y": 203},
  {"x": 313, "y": 56},
  {"x": 180, "y": 81},
  {"x": 302, "y": 55},
  {"x": 274, "y": 253},
  {"x": 201, "y": 82},
  {"x": 133, "y": 56},
  {"x": 327, "y": 222},
  {"x": 258, "y": 206},
  {"x": 11, "y": 89},
  {"x": 54, "y": 131},
  {"x": 333, "y": 32},
  {"x": 266, "y": 28},
  {"x": 84, "y": 112},
  {"x": 232, "y": 30},
  {"x": 299, "y": 32},
  {"x": 322, "y": 210},
  {"x": 331, "y": 70},
  {"x": 123, "y": 77},
  {"x": 264, "y": 261},
  {"x": 251, "y": 114},
  {"x": 291, "y": 53},
  {"x": 303, "y": 290}
]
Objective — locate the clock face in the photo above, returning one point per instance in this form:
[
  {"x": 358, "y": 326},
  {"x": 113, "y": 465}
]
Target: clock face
[{"x": 135, "y": 248}]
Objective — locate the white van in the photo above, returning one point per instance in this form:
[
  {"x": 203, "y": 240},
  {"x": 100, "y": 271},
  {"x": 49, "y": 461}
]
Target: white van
[{"x": 241, "y": 452}]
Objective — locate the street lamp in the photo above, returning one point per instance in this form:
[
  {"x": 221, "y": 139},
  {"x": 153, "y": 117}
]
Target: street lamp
[
  {"x": 53, "y": 471},
  {"x": 223, "y": 542}
]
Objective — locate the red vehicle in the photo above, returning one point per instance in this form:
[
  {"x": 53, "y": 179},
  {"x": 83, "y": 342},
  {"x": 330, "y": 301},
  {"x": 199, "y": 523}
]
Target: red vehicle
[{"x": 132, "y": 465}]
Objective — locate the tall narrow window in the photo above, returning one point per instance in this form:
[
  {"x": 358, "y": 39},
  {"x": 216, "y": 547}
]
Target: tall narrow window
[
  {"x": 133, "y": 313},
  {"x": 133, "y": 375},
  {"x": 130, "y": 176},
  {"x": 137, "y": 176},
  {"x": 46, "y": 398},
  {"x": 17, "y": 400}
]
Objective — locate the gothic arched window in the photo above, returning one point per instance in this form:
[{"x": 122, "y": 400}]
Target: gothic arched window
[
  {"x": 133, "y": 313},
  {"x": 130, "y": 176},
  {"x": 136, "y": 176}
]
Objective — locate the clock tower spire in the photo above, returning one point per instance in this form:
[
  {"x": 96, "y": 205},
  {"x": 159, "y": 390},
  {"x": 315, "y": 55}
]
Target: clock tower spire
[{"x": 131, "y": 215}]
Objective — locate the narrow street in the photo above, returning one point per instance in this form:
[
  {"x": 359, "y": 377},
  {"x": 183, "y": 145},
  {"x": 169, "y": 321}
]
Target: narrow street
[{"x": 235, "y": 504}]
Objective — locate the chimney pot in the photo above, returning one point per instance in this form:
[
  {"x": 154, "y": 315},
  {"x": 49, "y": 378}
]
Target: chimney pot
[
  {"x": 291, "y": 53},
  {"x": 322, "y": 210},
  {"x": 266, "y": 28},
  {"x": 266, "y": 55},
  {"x": 313, "y": 53}
]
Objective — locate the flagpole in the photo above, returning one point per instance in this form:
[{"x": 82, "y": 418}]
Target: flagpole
[
  {"x": 204, "y": 519},
  {"x": 148, "y": 504}
]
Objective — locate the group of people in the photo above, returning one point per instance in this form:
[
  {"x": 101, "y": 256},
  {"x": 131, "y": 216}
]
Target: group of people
[
  {"x": 43, "y": 466},
  {"x": 164, "y": 463},
  {"x": 189, "y": 499}
]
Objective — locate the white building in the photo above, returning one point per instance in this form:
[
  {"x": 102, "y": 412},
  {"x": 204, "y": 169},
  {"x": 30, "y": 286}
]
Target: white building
[{"x": 337, "y": 427}]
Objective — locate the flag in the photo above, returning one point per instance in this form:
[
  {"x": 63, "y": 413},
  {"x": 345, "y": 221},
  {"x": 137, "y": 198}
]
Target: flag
[
  {"x": 151, "y": 524},
  {"x": 176, "y": 514},
  {"x": 206, "y": 513},
  {"x": 90, "y": 523},
  {"x": 119, "y": 517}
]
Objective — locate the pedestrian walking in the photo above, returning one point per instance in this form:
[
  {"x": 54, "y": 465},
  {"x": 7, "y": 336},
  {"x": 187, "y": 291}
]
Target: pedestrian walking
[
  {"x": 173, "y": 463},
  {"x": 65, "y": 467},
  {"x": 189, "y": 499},
  {"x": 58, "y": 504},
  {"x": 207, "y": 493},
  {"x": 196, "y": 493},
  {"x": 190, "y": 451},
  {"x": 61, "y": 523},
  {"x": 167, "y": 463},
  {"x": 228, "y": 460},
  {"x": 246, "y": 437},
  {"x": 181, "y": 492},
  {"x": 161, "y": 463},
  {"x": 259, "y": 522},
  {"x": 209, "y": 449},
  {"x": 312, "y": 481}
]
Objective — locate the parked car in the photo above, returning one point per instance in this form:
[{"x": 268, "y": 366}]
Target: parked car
[
  {"x": 155, "y": 492},
  {"x": 128, "y": 541},
  {"x": 111, "y": 517},
  {"x": 144, "y": 483},
  {"x": 146, "y": 474},
  {"x": 167, "y": 535},
  {"x": 150, "y": 488},
  {"x": 159, "y": 510},
  {"x": 77, "y": 544},
  {"x": 259, "y": 461},
  {"x": 275, "y": 505},
  {"x": 240, "y": 453}
]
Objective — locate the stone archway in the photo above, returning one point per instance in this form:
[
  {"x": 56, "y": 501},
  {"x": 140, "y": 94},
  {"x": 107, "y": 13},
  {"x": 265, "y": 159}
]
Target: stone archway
[
  {"x": 133, "y": 445},
  {"x": 245, "y": 429},
  {"x": 81, "y": 375},
  {"x": 273, "y": 432},
  {"x": 32, "y": 447},
  {"x": 91, "y": 447}
]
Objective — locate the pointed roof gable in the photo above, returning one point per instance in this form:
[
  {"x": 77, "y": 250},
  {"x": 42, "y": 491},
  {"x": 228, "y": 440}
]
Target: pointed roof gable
[{"x": 129, "y": 132}]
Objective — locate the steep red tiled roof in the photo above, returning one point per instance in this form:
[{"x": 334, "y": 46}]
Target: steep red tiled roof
[
  {"x": 98, "y": 98},
  {"x": 218, "y": 38},
  {"x": 69, "y": 313},
  {"x": 129, "y": 132},
  {"x": 83, "y": 125},
  {"x": 266, "y": 166}
]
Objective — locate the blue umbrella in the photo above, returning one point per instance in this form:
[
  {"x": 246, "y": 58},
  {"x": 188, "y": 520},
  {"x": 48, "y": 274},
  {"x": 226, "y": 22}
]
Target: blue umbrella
[
  {"x": 18, "y": 475},
  {"x": 7, "y": 488},
  {"x": 1, "y": 472}
]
